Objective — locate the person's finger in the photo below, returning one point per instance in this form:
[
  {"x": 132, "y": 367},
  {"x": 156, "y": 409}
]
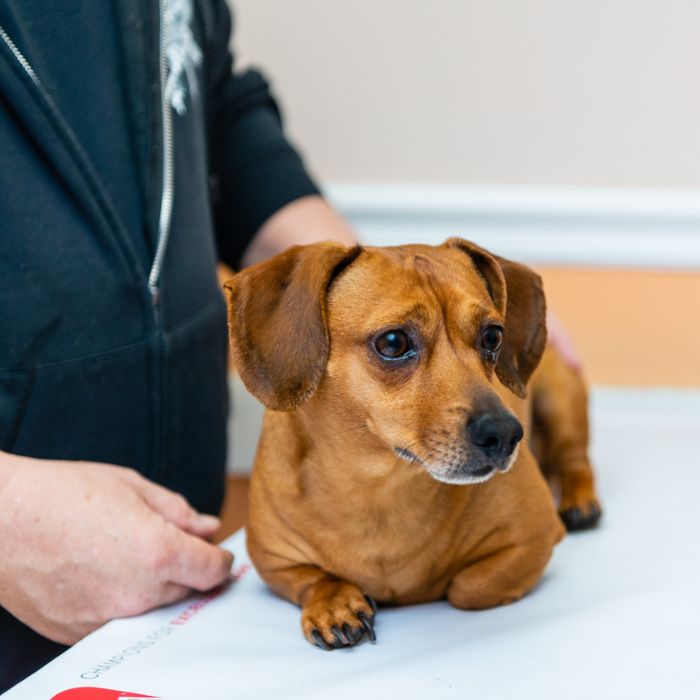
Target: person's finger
[
  {"x": 176, "y": 510},
  {"x": 559, "y": 337},
  {"x": 198, "y": 564},
  {"x": 165, "y": 594},
  {"x": 172, "y": 593}
]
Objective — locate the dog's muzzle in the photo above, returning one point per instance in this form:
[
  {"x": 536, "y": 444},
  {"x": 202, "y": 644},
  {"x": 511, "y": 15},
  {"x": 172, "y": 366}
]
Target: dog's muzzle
[{"x": 490, "y": 445}]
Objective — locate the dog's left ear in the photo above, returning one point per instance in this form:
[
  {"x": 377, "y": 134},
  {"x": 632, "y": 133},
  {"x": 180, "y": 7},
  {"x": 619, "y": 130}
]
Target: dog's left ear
[
  {"x": 519, "y": 289},
  {"x": 277, "y": 322}
]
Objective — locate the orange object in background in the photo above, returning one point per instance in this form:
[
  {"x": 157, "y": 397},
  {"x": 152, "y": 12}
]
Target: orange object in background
[{"x": 631, "y": 327}]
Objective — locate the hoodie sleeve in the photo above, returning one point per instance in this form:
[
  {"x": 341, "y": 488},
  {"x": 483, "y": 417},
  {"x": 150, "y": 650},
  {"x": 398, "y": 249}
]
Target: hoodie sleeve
[{"x": 254, "y": 169}]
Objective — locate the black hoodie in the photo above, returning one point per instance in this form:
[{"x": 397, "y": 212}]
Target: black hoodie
[{"x": 106, "y": 354}]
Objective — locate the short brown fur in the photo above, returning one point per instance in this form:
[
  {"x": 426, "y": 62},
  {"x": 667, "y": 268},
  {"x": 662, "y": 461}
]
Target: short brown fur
[{"x": 335, "y": 514}]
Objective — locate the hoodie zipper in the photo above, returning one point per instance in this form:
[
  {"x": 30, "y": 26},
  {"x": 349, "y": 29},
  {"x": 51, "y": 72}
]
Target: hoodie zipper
[
  {"x": 164, "y": 217},
  {"x": 166, "y": 201},
  {"x": 26, "y": 66}
]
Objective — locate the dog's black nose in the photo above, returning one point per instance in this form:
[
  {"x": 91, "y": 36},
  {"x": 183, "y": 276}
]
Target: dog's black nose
[{"x": 495, "y": 434}]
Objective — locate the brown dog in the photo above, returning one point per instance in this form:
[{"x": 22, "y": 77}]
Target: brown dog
[{"x": 389, "y": 466}]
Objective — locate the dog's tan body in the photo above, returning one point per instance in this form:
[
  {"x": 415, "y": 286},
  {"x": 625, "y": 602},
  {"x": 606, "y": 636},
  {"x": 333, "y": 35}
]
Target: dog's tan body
[
  {"x": 390, "y": 528},
  {"x": 348, "y": 495}
]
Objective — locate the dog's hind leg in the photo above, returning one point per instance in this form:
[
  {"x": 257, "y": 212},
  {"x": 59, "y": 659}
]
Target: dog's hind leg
[{"x": 560, "y": 439}]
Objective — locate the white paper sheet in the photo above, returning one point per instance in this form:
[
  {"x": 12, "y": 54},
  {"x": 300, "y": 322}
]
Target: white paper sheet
[{"x": 617, "y": 615}]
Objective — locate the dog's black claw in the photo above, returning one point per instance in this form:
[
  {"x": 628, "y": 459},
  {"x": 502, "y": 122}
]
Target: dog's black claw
[
  {"x": 320, "y": 641},
  {"x": 577, "y": 519},
  {"x": 368, "y": 625},
  {"x": 343, "y": 639},
  {"x": 354, "y": 634},
  {"x": 372, "y": 603}
]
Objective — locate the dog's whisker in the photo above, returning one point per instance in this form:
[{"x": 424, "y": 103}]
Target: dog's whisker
[
  {"x": 362, "y": 437},
  {"x": 349, "y": 430}
]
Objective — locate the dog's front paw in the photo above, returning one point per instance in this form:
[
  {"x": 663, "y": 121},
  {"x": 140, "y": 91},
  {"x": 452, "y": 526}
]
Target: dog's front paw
[{"x": 338, "y": 615}]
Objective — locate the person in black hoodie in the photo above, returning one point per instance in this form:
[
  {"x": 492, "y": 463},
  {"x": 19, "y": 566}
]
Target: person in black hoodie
[{"x": 132, "y": 158}]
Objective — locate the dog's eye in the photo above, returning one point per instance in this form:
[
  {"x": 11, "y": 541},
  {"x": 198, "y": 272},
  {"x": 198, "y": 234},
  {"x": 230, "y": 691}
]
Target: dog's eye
[
  {"x": 491, "y": 339},
  {"x": 394, "y": 345}
]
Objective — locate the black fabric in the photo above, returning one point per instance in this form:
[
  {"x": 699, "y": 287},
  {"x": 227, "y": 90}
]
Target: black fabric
[
  {"x": 18, "y": 644},
  {"x": 89, "y": 368},
  {"x": 82, "y": 70},
  {"x": 251, "y": 158}
]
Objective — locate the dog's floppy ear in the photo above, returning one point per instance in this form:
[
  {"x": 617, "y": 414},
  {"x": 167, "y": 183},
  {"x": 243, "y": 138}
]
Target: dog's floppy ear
[
  {"x": 518, "y": 289},
  {"x": 525, "y": 333},
  {"x": 277, "y": 322}
]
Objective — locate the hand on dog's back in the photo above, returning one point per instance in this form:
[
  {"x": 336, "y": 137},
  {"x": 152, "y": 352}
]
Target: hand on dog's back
[{"x": 82, "y": 543}]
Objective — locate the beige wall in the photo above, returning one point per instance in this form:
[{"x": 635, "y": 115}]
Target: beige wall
[{"x": 586, "y": 92}]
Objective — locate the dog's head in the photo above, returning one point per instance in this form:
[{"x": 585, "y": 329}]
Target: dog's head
[{"x": 404, "y": 341}]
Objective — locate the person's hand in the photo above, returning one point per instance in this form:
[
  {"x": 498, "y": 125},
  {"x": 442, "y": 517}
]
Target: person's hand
[
  {"x": 559, "y": 337},
  {"x": 82, "y": 543}
]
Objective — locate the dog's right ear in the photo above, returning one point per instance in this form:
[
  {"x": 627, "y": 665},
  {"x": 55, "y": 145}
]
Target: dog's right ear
[{"x": 277, "y": 322}]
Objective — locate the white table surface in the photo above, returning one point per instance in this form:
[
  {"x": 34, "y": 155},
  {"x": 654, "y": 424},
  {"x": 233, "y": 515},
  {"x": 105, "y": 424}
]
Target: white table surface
[{"x": 616, "y": 616}]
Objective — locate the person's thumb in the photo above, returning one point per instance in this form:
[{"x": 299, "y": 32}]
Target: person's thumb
[{"x": 198, "y": 564}]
